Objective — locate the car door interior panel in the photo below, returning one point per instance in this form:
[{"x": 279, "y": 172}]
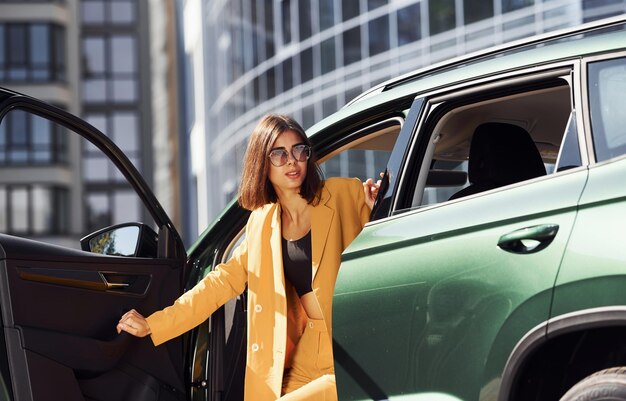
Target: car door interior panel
[{"x": 64, "y": 342}]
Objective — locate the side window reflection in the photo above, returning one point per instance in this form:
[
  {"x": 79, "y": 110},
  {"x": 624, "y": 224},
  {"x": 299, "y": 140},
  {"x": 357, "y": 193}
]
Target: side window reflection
[{"x": 607, "y": 95}]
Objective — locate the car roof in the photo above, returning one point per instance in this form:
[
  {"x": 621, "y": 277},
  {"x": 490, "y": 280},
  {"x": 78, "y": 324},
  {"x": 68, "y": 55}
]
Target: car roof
[{"x": 596, "y": 37}]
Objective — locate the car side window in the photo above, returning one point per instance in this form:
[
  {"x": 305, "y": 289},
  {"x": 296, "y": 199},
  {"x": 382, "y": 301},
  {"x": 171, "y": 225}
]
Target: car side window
[
  {"x": 607, "y": 94},
  {"x": 366, "y": 155},
  {"x": 496, "y": 141}
]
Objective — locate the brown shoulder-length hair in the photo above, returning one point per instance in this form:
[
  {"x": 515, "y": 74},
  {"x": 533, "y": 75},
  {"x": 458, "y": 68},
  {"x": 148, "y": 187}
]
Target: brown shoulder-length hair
[{"x": 256, "y": 189}]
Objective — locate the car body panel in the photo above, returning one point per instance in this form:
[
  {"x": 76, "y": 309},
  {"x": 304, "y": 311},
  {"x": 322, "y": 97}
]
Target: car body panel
[
  {"x": 429, "y": 293},
  {"x": 595, "y": 262}
]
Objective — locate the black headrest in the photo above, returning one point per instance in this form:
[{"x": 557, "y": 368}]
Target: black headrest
[{"x": 502, "y": 154}]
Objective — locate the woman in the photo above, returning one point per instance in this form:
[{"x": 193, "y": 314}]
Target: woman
[{"x": 298, "y": 228}]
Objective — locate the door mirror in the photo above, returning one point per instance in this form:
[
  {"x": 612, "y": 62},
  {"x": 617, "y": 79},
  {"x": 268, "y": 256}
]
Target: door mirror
[{"x": 129, "y": 239}]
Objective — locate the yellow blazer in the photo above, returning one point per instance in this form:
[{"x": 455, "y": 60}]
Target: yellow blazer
[{"x": 275, "y": 315}]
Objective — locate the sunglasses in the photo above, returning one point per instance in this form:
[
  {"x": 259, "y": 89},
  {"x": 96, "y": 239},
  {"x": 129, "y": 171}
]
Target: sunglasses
[{"x": 280, "y": 157}]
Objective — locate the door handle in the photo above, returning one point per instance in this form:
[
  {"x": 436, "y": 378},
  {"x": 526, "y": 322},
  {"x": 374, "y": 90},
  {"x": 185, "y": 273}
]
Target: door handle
[
  {"x": 529, "y": 239},
  {"x": 112, "y": 282}
]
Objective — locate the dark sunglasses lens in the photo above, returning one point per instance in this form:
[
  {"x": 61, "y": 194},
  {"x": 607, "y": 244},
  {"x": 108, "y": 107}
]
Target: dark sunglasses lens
[
  {"x": 279, "y": 157},
  {"x": 301, "y": 153}
]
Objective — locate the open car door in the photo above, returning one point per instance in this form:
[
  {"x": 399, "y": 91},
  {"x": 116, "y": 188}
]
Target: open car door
[{"x": 60, "y": 305}]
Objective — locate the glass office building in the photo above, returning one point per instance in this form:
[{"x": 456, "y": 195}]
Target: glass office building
[{"x": 307, "y": 58}]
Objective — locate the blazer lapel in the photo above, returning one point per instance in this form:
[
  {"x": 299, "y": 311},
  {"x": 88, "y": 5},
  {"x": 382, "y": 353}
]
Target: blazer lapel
[
  {"x": 321, "y": 219},
  {"x": 276, "y": 248}
]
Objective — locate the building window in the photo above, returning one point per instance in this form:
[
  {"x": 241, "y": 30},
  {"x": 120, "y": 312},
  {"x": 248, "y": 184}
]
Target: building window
[
  {"x": 286, "y": 21},
  {"x": 122, "y": 127},
  {"x": 33, "y": 52},
  {"x": 27, "y": 139},
  {"x": 352, "y": 45},
  {"x": 109, "y": 198},
  {"x": 409, "y": 23},
  {"x": 477, "y": 10},
  {"x": 350, "y": 9},
  {"x": 30, "y": 210},
  {"x": 109, "y": 206},
  {"x": 287, "y": 75},
  {"x": 113, "y": 12},
  {"x": 327, "y": 14},
  {"x": 379, "y": 35},
  {"x": 512, "y": 5},
  {"x": 110, "y": 69},
  {"x": 304, "y": 19},
  {"x": 269, "y": 29},
  {"x": 441, "y": 16},
  {"x": 327, "y": 51},
  {"x": 306, "y": 65},
  {"x": 271, "y": 82}
]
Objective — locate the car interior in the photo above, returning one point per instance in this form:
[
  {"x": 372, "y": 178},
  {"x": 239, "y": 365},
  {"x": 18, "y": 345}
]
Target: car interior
[{"x": 494, "y": 142}]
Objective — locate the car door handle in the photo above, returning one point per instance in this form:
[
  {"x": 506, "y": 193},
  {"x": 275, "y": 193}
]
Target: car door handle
[{"x": 529, "y": 239}]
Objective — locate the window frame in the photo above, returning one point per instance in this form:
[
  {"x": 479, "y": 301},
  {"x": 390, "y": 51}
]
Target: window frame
[
  {"x": 58, "y": 197},
  {"x": 432, "y": 112},
  {"x": 58, "y": 145},
  {"x": 54, "y": 67}
]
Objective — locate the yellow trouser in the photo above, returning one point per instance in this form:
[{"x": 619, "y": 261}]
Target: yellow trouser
[{"x": 312, "y": 375}]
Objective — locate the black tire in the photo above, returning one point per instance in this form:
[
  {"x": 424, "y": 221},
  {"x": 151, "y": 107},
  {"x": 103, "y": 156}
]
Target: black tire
[{"x": 605, "y": 385}]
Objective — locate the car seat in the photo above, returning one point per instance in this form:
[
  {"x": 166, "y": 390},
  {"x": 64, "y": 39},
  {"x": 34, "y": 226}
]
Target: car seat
[{"x": 500, "y": 154}]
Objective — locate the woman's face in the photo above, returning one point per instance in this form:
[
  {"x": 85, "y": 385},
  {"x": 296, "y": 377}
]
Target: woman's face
[{"x": 290, "y": 175}]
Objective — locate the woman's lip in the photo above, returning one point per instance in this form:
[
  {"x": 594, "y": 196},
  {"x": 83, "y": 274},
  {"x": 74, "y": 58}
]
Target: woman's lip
[{"x": 292, "y": 173}]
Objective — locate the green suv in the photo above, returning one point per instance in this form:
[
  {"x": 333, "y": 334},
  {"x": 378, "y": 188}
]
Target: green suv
[{"x": 492, "y": 268}]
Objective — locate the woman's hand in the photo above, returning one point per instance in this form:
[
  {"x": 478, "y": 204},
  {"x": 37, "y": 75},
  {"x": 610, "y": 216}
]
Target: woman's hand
[
  {"x": 371, "y": 191},
  {"x": 133, "y": 323}
]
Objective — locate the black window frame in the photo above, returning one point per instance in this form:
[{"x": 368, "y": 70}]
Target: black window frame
[{"x": 54, "y": 70}]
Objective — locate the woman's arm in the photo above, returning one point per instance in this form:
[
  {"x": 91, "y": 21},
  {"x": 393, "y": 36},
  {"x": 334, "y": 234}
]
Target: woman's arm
[{"x": 222, "y": 284}]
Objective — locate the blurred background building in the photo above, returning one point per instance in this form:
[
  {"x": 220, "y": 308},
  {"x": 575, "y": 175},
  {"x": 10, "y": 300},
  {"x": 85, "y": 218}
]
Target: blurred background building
[
  {"x": 307, "y": 58},
  {"x": 112, "y": 62},
  {"x": 179, "y": 85}
]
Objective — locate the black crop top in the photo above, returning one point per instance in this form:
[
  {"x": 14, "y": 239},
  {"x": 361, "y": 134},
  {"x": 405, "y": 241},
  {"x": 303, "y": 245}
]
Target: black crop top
[{"x": 297, "y": 263}]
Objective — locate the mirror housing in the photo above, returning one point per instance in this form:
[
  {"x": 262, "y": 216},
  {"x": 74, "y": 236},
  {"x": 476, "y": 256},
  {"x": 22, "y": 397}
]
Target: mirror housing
[{"x": 127, "y": 239}]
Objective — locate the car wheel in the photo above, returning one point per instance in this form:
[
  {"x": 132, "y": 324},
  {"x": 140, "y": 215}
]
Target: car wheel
[{"x": 607, "y": 384}]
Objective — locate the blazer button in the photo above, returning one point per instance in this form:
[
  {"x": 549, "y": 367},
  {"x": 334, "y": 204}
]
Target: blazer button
[
  {"x": 258, "y": 308},
  {"x": 255, "y": 347}
]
